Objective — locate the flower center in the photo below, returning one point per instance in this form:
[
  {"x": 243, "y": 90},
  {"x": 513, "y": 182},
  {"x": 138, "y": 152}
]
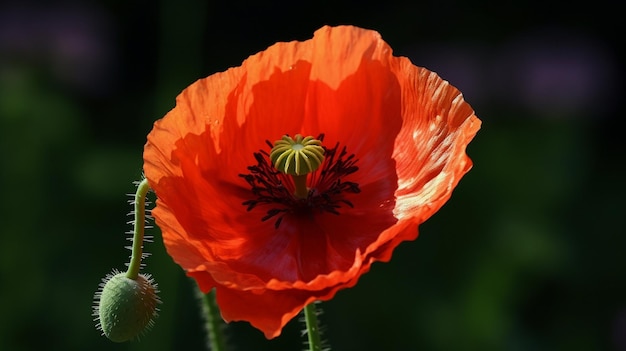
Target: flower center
[
  {"x": 297, "y": 158},
  {"x": 280, "y": 178}
]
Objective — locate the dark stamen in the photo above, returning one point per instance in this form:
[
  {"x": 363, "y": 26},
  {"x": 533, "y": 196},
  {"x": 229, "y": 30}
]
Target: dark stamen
[{"x": 274, "y": 188}]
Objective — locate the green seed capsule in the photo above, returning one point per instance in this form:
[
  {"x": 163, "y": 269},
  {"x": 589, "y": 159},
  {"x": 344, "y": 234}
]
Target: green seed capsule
[
  {"x": 126, "y": 307},
  {"x": 298, "y": 156}
]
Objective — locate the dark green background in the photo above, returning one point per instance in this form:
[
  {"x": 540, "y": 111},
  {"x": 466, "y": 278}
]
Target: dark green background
[{"x": 527, "y": 255}]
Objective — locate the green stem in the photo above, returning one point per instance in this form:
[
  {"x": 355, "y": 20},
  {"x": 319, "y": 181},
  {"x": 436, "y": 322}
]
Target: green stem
[
  {"x": 213, "y": 322},
  {"x": 139, "y": 226},
  {"x": 302, "y": 192},
  {"x": 312, "y": 327}
]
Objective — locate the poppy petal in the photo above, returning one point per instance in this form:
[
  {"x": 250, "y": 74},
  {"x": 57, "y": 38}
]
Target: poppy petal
[
  {"x": 253, "y": 305},
  {"x": 405, "y": 128},
  {"x": 430, "y": 149}
]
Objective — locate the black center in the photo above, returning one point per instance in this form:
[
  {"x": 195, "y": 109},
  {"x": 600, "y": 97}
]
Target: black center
[{"x": 325, "y": 194}]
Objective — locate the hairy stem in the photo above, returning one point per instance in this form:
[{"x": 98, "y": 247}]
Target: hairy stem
[
  {"x": 139, "y": 226},
  {"x": 213, "y": 322},
  {"x": 312, "y": 327}
]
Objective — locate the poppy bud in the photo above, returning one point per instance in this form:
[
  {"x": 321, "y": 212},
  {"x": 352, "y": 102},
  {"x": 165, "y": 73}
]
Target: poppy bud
[{"x": 126, "y": 307}]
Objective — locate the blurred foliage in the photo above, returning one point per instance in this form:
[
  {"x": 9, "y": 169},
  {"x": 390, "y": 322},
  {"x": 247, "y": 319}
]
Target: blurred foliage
[{"x": 527, "y": 255}]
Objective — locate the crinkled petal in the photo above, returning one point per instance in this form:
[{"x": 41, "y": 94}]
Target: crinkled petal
[
  {"x": 407, "y": 127},
  {"x": 195, "y": 154},
  {"x": 430, "y": 149},
  {"x": 267, "y": 310}
]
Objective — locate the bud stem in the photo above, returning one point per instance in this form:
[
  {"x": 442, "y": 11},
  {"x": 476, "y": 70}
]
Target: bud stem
[{"x": 139, "y": 226}]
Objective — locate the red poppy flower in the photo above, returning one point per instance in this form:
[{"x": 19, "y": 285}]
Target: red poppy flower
[{"x": 394, "y": 137}]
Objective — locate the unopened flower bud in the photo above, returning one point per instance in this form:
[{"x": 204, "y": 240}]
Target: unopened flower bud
[{"x": 126, "y": 307}]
